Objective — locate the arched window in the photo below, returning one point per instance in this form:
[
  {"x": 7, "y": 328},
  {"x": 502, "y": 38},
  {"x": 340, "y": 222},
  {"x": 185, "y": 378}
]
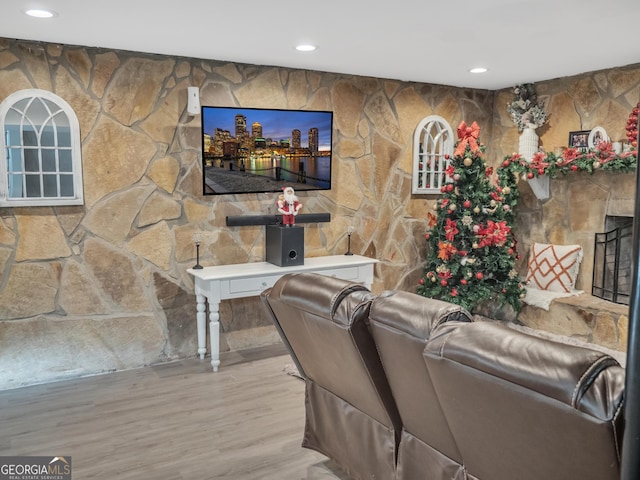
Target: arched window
[
  {"x": 432, "y": 140},
  {"x": 41, "y": 145}
]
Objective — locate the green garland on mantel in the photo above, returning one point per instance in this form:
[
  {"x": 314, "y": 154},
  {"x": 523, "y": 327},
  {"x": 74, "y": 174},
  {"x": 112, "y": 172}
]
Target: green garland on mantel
[{"x": 572, "y": 160}]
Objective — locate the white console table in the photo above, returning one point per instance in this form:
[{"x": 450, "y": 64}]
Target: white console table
[{"x": 223, "y": 282}]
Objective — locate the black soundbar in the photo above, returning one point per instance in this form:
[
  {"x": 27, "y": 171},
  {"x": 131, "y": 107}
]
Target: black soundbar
[{"x": 247, "y": 220}]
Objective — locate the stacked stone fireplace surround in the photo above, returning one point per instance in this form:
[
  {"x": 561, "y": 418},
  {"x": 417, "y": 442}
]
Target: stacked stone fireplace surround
[{"x": 574, "y": 213}]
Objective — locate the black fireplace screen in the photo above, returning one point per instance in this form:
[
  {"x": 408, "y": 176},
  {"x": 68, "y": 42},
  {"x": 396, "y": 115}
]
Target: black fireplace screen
[{"x": 612, "y": 263}]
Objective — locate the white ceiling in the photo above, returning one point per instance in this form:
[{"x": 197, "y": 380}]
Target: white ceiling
[{"x": 428, "y": 41}]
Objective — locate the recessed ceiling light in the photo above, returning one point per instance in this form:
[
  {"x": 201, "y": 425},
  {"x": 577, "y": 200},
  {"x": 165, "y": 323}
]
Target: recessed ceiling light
[
  {"x": 478, "y": 70},
  {"x": 40, "y": 13},
  {"x": 306, "y": 48}
]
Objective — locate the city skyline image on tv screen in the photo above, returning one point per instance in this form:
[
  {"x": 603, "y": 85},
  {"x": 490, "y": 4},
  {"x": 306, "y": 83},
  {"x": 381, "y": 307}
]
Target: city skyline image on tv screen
[{"x": 255, "y": 150}]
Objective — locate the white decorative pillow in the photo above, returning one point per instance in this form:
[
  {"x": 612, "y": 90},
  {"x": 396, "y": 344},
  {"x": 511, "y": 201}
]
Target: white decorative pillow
[{"x": 554, "y": 267}]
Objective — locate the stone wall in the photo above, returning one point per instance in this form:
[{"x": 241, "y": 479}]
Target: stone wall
[{"x": 102, "y": 287}]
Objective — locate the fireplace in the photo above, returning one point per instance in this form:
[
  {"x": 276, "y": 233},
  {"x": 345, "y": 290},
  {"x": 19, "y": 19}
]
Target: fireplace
[
  {"x": 612, "y": 260},
  {"x": 576, "y": 211}
]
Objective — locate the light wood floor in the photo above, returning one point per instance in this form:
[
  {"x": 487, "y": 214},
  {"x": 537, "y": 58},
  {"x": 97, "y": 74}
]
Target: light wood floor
[{"x": 176, "y": 421}]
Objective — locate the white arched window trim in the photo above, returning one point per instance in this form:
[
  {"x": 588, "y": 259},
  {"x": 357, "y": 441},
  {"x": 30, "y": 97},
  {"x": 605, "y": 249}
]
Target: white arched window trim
[
  {"x": 432, "y": 141},
  {"x": 42, "y": 164}
]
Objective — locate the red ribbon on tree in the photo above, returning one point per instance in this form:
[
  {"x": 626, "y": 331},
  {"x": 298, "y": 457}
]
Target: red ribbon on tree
[{"x": 467, "y": 136}]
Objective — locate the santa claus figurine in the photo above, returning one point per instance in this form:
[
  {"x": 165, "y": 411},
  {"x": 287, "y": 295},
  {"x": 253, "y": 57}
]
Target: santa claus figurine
[{"x": 288, "y": 206}]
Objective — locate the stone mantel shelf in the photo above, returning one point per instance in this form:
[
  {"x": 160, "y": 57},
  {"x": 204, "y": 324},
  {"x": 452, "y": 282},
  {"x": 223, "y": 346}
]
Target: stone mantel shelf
[
  {"x": 583, "y": 317},
  {"x": 620, "y": 202}
]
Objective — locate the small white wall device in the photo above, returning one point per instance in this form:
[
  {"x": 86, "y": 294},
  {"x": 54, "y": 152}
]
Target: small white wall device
[{"x": 193, "y": 100}]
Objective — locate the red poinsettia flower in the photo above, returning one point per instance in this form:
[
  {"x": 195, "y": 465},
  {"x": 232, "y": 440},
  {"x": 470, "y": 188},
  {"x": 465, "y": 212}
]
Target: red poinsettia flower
[
  {"x": 494, "y": 234},
  {"x": 538, "y": 161},
  {"x": 604, "y": 147},
  {"x": 568, "y": 156},
  {"x": 604, "y": 152},
  {"x": 488, "y": 171},
  {"x": 450, "y": 229}
]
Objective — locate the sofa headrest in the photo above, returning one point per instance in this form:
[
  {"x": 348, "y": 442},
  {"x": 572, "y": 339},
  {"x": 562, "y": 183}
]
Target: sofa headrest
[
  {"x": 583, "y": 378},
  {"x": 319, "y": 295},
  {"x": 414, "y": 314}
]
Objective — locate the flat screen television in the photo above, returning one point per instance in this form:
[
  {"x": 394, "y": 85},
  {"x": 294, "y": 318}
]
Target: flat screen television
[{"x": 257, "y": 150}]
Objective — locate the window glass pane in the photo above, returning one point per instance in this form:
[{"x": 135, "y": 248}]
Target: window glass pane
[
  {"x": 60, "y": 118},
  {"x": 29, "y": 136},
  {"x": 37, "y": 112},
  {"x": 55, "y": 110},
  {"x": 31, "y": 160},
  {"x": 64, "y": 137},
  {"x": 48, "y": 136},
  {"x": 12, "y": 134},
  {"x": 13, "y": 117},
  {"x": 14, "y": 162},
  {"x": 20, "y": 105},
  {"x": 66, "y": 162},
  {"x": 66, "y": 186},
  {"x": 33, "y": 185},
  {"x": 48, "y": 160},
  {"x": 50, "y": 184},
  {"x": 15, "y": 186}
]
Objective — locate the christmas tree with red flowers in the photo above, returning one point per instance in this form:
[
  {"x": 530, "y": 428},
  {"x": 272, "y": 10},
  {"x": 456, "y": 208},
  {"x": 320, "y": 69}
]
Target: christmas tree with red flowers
[{"x": 471, "y": 250}]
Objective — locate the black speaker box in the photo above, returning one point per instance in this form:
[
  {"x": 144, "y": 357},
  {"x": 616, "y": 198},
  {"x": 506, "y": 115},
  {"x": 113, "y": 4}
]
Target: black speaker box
[{"x": 285, "y": 245}]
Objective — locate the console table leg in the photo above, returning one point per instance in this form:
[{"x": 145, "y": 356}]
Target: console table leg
[
  {"x": 201, "y": 319},
  {"x": 214, "y": 334}
]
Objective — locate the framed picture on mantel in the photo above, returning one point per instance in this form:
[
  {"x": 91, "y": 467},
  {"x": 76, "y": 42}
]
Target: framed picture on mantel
[
  {"x": 597, "y": 136},
  {"x": 579, "y": 139}
]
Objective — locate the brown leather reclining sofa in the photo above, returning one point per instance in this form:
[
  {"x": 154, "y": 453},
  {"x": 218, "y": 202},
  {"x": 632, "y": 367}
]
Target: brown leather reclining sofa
[{"x": 399, "y": 386}]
